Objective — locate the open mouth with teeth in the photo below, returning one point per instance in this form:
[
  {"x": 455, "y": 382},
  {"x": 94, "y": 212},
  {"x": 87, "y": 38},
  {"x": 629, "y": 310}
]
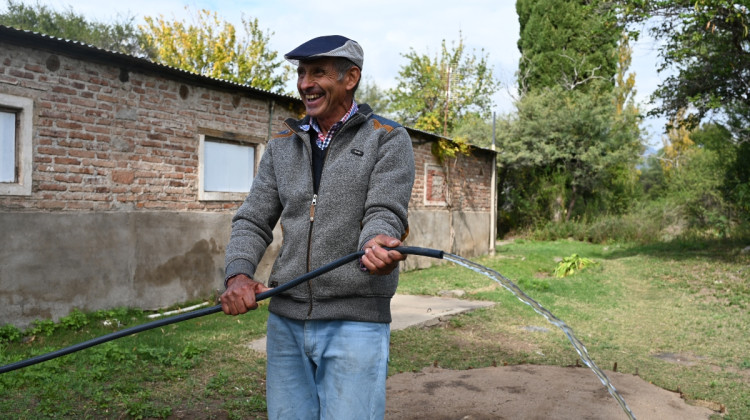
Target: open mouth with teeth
[{"x": 313, "y": 97}]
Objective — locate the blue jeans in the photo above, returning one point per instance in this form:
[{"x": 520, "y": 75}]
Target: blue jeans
[{"x": 326, "y": 369}]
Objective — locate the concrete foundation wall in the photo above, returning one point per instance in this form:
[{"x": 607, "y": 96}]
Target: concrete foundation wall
[
  {"x": 51, "y": 263},
  {"x": 54, "y": 262},
  {"x": 432, "y": 229}
]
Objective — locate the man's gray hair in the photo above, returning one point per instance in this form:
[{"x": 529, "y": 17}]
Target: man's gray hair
[{"x": 342, "y": 65}]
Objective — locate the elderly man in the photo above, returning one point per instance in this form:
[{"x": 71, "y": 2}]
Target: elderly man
[{"x": 339, "y": 180}]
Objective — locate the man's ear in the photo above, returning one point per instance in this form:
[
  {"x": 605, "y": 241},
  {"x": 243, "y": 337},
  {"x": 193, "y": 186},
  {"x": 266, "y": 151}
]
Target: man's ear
[{"x": 352, "y": 77}]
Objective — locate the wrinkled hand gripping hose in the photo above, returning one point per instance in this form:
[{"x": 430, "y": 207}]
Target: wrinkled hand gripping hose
[{"x": 408, "y": 250}]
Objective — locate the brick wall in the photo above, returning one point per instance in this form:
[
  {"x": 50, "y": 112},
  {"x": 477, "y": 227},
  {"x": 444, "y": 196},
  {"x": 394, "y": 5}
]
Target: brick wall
[
  {"x": 468, "y": 178},
  {"x": 106, "y": 139},
  {"x": 114, "y": 217}
]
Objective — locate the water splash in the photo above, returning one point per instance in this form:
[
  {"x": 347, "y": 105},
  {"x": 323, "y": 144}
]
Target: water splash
[{"x": 523, "y": 297}]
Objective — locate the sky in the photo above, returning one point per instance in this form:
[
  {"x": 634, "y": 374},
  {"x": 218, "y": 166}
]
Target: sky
[{"x": 385, "y": 29}]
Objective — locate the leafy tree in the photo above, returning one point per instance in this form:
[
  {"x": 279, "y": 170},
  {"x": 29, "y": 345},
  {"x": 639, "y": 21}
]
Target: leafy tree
[
  {"x": 209, "y": 47},
  {"x": 696, "y": 186},
  {"x": 713, "y": 136},
  {"x": 474, "y": 129},
  {"x": 706, "y": 46},
  {"x": 435, "y": 93},
  {"x": 624, "y": 81},
  {"x": 370, "y": 93},
  {"x": 212, "y": 47},
  {"x": 574, "y": 143},
  {"x": 677, "y": 144},
  {"x": 698, "y": 172},
  {"x": 572, "y": 146},
  {"x": 735, "y": 170},
  {"x": 737, "y": 182},
  {"x": 652, "y": 178},
  {"x": 706, "y": 43},
  {"x": 566, "y": 42},
  {"x": 120, "y": 36}
]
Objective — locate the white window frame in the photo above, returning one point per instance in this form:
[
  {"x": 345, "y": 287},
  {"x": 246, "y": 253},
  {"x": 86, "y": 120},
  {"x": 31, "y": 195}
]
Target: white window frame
[
  {"x": 24, "y": 110},
  {"x": 207, "y": 135}
]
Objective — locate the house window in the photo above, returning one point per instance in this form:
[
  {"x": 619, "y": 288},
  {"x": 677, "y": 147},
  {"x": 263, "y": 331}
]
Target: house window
[
  {"x": 227, "y": 167},
  {"x": 15, "y": 145},
  {"x": 7, "y": 146}
]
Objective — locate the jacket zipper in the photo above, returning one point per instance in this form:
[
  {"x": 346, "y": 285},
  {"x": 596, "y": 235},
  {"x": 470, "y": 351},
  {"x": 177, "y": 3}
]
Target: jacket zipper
[
  {"x": 309, "y": 251},
  {"x": 312, "y": 208},
  {"x": 313, "y": 203}
]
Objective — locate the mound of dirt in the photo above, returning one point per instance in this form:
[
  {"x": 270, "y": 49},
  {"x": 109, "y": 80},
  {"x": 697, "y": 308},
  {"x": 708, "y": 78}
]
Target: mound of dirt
[{"x": 529, "y": 392}]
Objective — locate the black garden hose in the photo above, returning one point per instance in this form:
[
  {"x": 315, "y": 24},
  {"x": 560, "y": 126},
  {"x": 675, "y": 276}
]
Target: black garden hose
[{"x": 408, "y": 250}]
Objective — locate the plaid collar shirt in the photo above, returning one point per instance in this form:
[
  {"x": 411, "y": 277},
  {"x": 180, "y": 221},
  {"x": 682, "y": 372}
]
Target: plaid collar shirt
[{"x": 323, "y": 140}]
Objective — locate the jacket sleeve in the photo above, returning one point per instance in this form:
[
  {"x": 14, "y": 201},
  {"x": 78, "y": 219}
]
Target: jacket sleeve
[
  {"x": 252, "y": 225},
  {"x": 390, "y": 187}
]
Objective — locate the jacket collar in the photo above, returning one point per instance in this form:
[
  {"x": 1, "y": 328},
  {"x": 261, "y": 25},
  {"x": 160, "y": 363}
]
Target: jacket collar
[{"x": 362, "y": 114}]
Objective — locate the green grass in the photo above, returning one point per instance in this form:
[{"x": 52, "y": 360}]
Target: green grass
[
  {"x": 195, "y": 369},
  {"x": 691, "y": 299},
  {"x": 638, "y": 301}
]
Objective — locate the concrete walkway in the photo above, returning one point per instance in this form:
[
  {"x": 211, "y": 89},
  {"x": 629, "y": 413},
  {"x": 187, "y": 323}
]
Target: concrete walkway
[{"x": 409, "y": 311}]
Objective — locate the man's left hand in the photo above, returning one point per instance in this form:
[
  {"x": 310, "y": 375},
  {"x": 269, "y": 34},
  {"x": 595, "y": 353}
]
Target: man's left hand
[{"x": 379, "y": 260}]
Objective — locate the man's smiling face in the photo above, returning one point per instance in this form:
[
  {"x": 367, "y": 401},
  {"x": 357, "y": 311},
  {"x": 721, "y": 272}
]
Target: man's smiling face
[{"x": 326, "y": 98}]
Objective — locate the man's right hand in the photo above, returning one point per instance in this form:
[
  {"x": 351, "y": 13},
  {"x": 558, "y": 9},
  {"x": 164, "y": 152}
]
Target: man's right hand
[{"x": 240, "y": 295}]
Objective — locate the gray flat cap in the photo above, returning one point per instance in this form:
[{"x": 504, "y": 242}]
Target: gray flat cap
[{"x": 327, "y": 46}]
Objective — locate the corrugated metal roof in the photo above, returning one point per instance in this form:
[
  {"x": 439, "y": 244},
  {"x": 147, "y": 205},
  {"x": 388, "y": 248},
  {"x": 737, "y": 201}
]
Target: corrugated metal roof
[{"x": 91, "y": 52}]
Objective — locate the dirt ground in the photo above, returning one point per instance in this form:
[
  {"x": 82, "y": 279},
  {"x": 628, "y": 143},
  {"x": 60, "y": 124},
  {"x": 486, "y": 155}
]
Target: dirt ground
[
  {"x": 523, "y": 392},
  {"x": 530, "y": 392}
]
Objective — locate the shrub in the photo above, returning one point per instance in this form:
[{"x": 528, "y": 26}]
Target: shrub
[
  {"x": 75, "y": 320},
  {"x": 9, "y": 333},
  {"x": 572, "y": 264},
  {"x": 41, "y": 327}
]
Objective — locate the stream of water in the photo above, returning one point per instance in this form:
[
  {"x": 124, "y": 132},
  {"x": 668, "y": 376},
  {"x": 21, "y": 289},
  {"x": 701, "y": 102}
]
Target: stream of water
[{"x": 523, "y": 297}]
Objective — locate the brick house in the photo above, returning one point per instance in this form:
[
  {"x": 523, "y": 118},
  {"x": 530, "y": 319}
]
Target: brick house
[{"x": 114, "y": 181}]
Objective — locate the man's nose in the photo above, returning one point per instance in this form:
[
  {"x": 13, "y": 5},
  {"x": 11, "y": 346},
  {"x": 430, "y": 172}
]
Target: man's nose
[{"x": 304, "y": 82}]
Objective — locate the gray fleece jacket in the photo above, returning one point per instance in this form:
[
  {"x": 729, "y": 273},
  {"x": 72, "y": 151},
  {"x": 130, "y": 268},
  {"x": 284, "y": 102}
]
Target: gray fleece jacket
[{"x": 364, "y": 191}]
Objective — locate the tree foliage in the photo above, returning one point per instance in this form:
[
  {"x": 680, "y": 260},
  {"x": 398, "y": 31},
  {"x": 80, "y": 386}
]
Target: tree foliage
[
  {"x": 702, "y": 173},
  {"x": 574, "y": 142},
  {"x": 572, "y": 147},
  {"x": 474, "y": 129},
  {"x": 696, "y": 186},
  {"x": 119, "y": 36},
  {"x": 209, "y": 46},
  {"x": 213, "y": 48},
  {"x": 370, "y": 93},
  {"x": 677, "y": 144},
  {"x": 624, "y": 81},
  {"x": 566, "y": 42},
  {"x": 706, "y": 44},
  {"x": 435, "y": 93},
  {"x": 734, "y": 170}
]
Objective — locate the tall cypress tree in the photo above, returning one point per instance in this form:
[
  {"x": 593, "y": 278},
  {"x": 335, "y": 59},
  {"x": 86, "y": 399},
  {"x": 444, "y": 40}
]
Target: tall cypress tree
[{"x": 566, "y": 42}]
